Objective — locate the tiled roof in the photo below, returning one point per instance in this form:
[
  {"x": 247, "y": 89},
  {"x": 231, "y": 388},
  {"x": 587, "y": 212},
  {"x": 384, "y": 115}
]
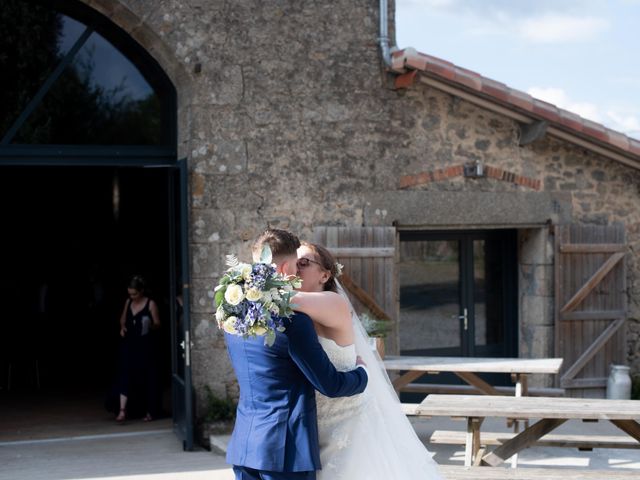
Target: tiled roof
[{"x": 409, "y": 62}]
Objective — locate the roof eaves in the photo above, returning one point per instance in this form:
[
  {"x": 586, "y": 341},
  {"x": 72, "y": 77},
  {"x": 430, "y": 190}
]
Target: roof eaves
[{"x": 408, "y": 60}]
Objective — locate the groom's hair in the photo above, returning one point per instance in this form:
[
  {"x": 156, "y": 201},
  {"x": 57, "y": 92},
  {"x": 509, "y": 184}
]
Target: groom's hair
[{"x": 281, "y": 242}]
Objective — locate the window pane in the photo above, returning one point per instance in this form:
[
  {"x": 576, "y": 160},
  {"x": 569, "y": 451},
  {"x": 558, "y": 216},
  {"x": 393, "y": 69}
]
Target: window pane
[
  {"x": 101, "y": 98},
  {"x": 429, "y": 275},
  {"x": 489, "y": 296},
  {"x": 29, "y": 51}
]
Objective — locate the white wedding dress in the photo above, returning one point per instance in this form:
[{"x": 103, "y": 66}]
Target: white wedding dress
[{"x": 367, "y": 436}]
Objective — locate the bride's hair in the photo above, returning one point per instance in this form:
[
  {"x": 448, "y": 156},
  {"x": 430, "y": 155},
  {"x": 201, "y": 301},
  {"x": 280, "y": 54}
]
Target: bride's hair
[{"x": 328, "y": 262}]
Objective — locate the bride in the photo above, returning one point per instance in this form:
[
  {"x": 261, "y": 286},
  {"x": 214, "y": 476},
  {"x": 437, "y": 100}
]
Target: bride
[{"x": 367, "y": 436}]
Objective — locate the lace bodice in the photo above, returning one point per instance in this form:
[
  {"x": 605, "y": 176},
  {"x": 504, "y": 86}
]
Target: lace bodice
[
  {"x": 343, "y": 358},
  {"x": 334, "y": 410}
]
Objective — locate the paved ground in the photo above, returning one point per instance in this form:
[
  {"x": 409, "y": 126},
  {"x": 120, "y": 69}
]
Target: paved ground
[{"x": 157, "y": 455}]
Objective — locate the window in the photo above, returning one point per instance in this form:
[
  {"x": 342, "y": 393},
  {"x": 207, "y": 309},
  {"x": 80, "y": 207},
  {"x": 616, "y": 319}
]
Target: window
[{"x": 69, "y": 77}]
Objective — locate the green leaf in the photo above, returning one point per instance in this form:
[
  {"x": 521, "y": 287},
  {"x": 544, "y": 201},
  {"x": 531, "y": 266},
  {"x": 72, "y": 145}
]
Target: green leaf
[
  {"x": 270, "y": 338},
  {"x": 220, "y": 296},
  {"x": 265, "y": 255}
]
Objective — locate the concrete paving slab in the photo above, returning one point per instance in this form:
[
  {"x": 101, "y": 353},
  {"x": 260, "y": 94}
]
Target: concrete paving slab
[{"x": 147, "y": 456}]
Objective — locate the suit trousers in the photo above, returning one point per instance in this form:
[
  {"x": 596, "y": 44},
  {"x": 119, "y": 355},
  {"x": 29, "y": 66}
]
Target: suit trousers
[{"x": 246, "y": 473}]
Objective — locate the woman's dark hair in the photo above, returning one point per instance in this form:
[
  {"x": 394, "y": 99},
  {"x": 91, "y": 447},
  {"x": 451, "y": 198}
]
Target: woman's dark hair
[
  {"x": 137, "y": 282},
  {"x": 328, "y": 262}
]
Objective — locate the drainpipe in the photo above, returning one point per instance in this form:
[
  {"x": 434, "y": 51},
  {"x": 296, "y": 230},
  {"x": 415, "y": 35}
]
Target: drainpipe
[{"x": 383, "y": 39}]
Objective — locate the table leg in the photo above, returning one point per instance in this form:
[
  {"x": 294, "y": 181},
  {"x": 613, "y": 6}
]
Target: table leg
[
  {"x": 472, "y": 444},
  {"x": 522, "y": 440},
  {"x": 520, "y": 390},
  {"x": 630, "y": 427},
  {"x": 404, "y": 380},
  {"x": 475, "y": 381}
]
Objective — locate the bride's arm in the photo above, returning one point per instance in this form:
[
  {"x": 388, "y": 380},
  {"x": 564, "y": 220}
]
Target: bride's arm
[{"x": 326, "y": 308}]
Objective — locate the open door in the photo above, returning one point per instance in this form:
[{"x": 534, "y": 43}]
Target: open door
[{"x": 180, "y": 295}]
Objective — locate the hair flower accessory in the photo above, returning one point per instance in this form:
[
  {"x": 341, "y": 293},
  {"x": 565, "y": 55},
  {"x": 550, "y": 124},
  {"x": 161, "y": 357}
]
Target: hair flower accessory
[{"x": 338, "y": 266}]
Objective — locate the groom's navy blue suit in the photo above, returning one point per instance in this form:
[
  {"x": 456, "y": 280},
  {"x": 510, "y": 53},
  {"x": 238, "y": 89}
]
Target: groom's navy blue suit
[{"x": 276, "y": 426}]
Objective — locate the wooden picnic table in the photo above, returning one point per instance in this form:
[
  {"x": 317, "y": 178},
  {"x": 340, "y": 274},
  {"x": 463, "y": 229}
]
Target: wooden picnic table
[
  {"x": 467, "y": 368},
  {"x": 551, "y": 411}
]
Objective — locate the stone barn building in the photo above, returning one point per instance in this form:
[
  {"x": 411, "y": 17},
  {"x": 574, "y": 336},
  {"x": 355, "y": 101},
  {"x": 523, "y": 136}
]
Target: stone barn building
[{"x": 159, "y": 136}]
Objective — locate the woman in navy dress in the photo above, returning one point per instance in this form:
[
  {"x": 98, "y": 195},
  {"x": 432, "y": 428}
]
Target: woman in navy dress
[{"x": 138, "y": 365}]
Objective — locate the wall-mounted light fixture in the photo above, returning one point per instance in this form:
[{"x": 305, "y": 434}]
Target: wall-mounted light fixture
[{"x": 474, "y": 170}]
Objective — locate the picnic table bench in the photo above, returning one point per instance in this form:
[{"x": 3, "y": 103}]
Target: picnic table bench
[
  {"x": 456, "y": 472},
  {"x": 467, "y": 369},
  {"x": 551, "y": 411}
]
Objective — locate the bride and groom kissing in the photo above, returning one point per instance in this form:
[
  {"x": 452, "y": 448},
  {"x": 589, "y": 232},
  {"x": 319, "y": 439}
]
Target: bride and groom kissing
[{"x": 309, "y": 407}]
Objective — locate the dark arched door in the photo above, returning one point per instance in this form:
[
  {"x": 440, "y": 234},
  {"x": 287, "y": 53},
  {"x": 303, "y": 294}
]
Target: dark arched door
[{"x": 83, "y": 102}]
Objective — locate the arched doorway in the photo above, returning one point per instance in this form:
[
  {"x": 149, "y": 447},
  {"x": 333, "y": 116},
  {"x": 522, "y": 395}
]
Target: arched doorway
[{"x": 91, "y": 193}]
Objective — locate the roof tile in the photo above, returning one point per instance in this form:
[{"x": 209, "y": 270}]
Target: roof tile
[
  {"x": 501, "y": 93},
  {"x": 570, "y": 120},
  {"x": 495, "y": 89},
  {"x": 521, "y": 99},
  {"x": 468, "y": 78},
  {"x": 595, "y": 130},
  {"x": 546, "y": 110}
]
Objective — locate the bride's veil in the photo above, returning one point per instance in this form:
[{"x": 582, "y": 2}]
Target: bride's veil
[
  {"x": 397, "y": 425},
  {"x": 378, "y": 378}
]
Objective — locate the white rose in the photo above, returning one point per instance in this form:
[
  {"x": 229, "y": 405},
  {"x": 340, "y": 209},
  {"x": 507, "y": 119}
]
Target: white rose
[
  {"x": 245, "y": 268},
  {"x": 253, "y": 294},
  {"x": 234, "y": 294},
  {"x": 229, "y": 325},
  {"x": 220, "y": 314},
  {"x": 259, "y": 330},
  {"x": 275, "y": 295}
]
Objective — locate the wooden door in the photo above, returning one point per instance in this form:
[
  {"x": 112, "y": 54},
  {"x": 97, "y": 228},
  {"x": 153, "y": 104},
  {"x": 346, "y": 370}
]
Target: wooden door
[
  {"x": 368, "y": 255},
  {"x": 591, "y": 305}
]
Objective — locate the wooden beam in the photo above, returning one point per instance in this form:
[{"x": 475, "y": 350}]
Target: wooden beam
[
  {"x": 363, "y": 297},
  {"x": 593, "y": 282},
  {"x": 595, "y": 382},
  {"x": 630, "y": 427},
  {"x": 593, "y": 248},
  {"x": 592, "y": 350},
  {"x": 475, "y": 381},
  {"x": 362, "y": 252},
  {"x": 594, "y": 315},
  {"x": 524, "y": 439},
  {"x": 400, "y": 382}
]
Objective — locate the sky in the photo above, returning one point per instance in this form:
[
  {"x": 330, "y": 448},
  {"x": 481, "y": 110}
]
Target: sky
[{"x": 580, "y": 55}]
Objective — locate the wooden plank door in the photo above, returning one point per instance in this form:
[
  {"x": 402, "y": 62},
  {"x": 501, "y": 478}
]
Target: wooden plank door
[
  {"x": 591, "y": 305},
  {"x": 369, "y": 258}
]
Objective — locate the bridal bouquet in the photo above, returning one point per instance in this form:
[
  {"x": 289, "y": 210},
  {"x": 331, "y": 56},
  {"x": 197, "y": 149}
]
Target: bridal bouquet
[{"x": 251, "y": 299}]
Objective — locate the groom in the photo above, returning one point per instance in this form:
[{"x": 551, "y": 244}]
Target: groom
[{"x": 276, "y": 433}]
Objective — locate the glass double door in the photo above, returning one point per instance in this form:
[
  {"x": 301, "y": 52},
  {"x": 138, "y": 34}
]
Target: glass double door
[{"x": 458, "y": 293}]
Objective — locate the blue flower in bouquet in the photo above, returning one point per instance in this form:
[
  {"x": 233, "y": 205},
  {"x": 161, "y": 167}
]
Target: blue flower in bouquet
[{"x": 253, "y": 299}]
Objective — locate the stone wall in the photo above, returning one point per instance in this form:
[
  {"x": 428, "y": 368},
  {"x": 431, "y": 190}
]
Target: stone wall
[{"x": 287, "y": 120}]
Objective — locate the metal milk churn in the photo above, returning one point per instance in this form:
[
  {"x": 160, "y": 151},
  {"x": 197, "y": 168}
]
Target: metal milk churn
[{"x": 619, "y": 383}]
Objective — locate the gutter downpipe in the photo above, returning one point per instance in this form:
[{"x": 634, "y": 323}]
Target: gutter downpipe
[{"x": 383, "y": 39}]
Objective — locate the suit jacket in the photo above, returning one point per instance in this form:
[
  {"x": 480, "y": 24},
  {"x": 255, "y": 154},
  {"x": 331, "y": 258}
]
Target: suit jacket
[{"x": 276, "y": 426}]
